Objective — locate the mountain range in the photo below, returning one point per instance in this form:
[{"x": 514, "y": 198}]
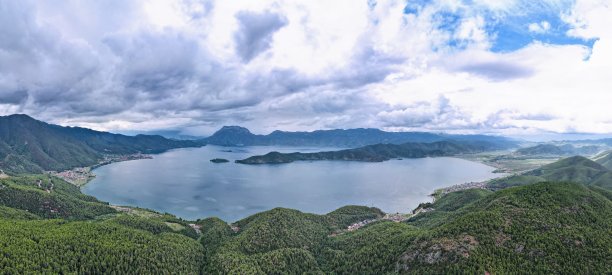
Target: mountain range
[
  {"x": 28, "y": 145},
  {"x": 604, "y": 159},
  {"x": 345, "y": 138},
  {"x": 573, "y": 169},
  {"x": 555, "y": 219},
  {"x": 558, "y": 150}
]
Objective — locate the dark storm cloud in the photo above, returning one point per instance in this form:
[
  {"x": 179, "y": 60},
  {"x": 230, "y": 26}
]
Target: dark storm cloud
[
  {"x": 154, "y": 62},
  {"x": 13, "y": 97},
  {"x": 128, "y": 63},
  {"x": 254, "y": 34}
]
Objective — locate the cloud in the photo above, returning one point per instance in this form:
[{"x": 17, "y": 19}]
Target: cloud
[
  {"x": 255, "y": 31},
  {"x": 497, "y": 70},
  {"x": 541, "y": 27},
  {"x": 479, "y": 66},
  {"x": 482, "y": 63},
  {"x": 13, "y": 96},
  {"x": 154, "y": 62},
  {"x": 440, "y": 113}
]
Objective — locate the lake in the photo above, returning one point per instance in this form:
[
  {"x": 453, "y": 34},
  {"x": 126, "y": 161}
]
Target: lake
[{"x": 185, "y": 183}]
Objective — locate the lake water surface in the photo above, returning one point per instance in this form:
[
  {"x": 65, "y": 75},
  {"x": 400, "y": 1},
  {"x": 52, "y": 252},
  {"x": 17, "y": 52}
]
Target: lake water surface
[{"x": 185, "y": 183}]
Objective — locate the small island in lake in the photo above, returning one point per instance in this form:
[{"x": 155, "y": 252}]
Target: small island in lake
[{"x": 219, "y": 160}]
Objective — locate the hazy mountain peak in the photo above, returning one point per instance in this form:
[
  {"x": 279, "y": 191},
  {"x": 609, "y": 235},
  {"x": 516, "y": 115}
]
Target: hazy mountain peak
[{"x": 234, "y": 129}]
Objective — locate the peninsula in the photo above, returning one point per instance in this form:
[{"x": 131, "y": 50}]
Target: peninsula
[{"x": 373, "y": 153}]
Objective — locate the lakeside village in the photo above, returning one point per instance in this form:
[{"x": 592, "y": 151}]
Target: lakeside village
[{"x": 81, "y": 175}]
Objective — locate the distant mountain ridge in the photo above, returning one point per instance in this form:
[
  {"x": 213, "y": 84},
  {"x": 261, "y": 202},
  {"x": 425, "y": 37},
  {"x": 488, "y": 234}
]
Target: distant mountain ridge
[
  {"x": 350, "y": 138},
  {"x": 558, "y": 150},
  {"x": 373, "y": 153},
  {"x": 28, "y": 145},
  {"x": 605, "y": 159},
  {"x": 573, "y": 169}
]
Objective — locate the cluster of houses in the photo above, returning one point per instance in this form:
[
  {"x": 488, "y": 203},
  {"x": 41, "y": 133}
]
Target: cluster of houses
[
  {"x": 74, "y": 176},
  {"x": 360, "y": 224}
]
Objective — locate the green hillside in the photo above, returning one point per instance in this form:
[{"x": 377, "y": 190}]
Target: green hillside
[
  {"x": 573, "y": 169},
  {"x": 543, "y": 149},
  {"x": 540, "y": 228},
  {"x": 604, "y": 181},
  {"x": 605, "y": 159},
  {"x": 537, "y": 228},
  {"x": 31, "y": 146},
  {"x": 48, "y": 226},
  {"x": 558, "y": 150},
  {"x": 576, "y": 169},
  {"x": 49, "y": 197},
  {"x": 280, "y": 240},
  {"x": 445, "y": 205},
  {"x": 57, "y": 246}
]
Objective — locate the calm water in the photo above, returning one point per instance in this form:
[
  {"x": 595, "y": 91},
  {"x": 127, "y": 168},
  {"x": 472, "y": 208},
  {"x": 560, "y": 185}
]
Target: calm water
[{"x": 185, "y": 183}]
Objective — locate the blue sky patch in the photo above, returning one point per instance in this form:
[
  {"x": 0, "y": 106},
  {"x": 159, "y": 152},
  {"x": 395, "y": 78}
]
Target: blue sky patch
[
  {"x": 512, "y": 32},
  {"x": 509, "y": 30}
]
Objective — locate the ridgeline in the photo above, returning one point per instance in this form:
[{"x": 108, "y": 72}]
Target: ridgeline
[
  {"x": 346, "y": 138},
  {"x": 373, "y": 153},
  {"x": 556, "y": 219},
  {"x": 48, "y": 226},
  {"x": 31, "y": 146}
]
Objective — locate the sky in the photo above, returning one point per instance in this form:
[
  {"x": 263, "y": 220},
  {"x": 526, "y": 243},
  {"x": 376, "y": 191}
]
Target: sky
[{"x": 502, "y": 67}]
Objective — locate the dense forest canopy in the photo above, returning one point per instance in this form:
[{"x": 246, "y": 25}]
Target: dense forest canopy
[{"x": 550, "y": 227}]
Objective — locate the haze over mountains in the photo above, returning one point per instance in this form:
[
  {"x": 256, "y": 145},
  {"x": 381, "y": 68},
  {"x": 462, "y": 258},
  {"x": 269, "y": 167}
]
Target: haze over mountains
[{"x": 29, "y": 145}]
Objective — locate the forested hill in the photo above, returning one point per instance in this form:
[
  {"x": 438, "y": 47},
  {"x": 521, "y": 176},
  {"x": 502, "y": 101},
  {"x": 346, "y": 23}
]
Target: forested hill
[
  {"x": 31, "y": 146},
  {"x": 605, "y": 159},
  {"x": 348, "y": 138},
  {"x": 573, "y": 169},
  {"x": 374, "y": 153},
  {"x": 48, "y": 226}
]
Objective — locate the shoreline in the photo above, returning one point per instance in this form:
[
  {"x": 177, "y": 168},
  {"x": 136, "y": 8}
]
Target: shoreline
[
  {"x": 500, "y": 170},
  {"x": 81, "y": 176},
  {"x": 87, "y": 175}
]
